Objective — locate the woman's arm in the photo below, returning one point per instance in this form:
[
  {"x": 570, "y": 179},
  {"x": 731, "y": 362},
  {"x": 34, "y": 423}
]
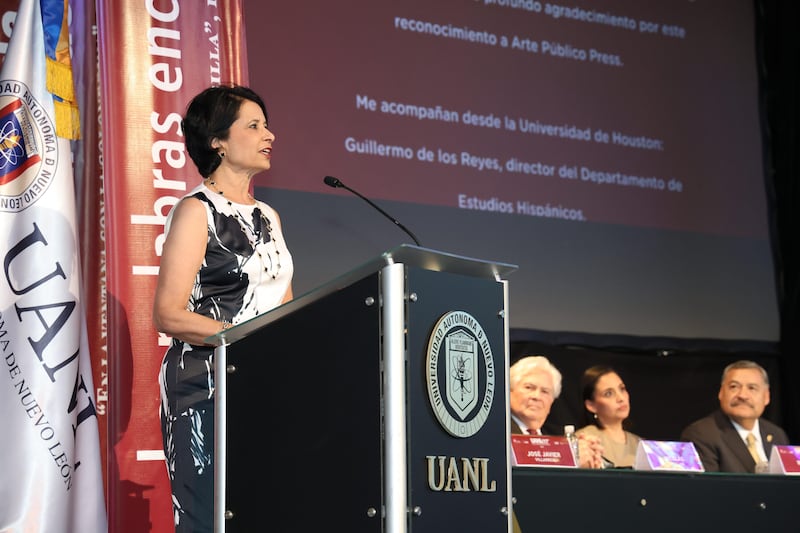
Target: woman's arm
[{"x": 181, "y": 258}]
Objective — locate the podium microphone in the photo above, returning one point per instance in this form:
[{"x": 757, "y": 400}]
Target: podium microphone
[{"x": 335, "y": 183}]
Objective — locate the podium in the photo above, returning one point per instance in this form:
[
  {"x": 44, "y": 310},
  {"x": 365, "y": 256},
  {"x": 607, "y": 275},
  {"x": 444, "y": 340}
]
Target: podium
[{"x": 375, "y": 403}]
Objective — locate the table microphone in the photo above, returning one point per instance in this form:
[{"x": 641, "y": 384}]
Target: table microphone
[{"x": 336, "y": 183}]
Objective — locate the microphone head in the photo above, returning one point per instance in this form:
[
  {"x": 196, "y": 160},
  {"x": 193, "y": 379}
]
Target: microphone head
[{"x": 332, "y": 182}]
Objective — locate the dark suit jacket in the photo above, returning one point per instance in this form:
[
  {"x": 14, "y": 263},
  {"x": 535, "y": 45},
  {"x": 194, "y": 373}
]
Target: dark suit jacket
[
  {"x": 517, "y": 430},
  {"x": 722, "y": 449}
]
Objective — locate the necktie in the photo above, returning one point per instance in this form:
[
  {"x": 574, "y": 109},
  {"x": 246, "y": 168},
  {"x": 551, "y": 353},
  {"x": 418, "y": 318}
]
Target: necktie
[
  {"x": 532, "y": 431},
  {"x": 751, "y": 447}
]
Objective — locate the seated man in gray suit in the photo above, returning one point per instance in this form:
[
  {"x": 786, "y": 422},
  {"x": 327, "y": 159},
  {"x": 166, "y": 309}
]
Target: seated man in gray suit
[{"x": 735, "y": 438}]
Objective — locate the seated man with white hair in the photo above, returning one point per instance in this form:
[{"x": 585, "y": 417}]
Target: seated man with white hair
[{"x": 534, "y": 384}]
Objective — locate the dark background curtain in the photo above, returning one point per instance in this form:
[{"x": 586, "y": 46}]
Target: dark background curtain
[
  {"x": 672, "y": 382},
  {"x": 780, "y": 68}
]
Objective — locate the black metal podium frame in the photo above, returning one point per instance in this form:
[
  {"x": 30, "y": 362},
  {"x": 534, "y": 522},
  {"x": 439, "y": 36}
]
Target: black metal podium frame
[{"x": 373, "y": 403}]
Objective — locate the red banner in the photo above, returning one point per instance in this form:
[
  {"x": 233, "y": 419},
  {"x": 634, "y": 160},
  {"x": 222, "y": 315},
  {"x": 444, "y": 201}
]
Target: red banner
[
  {"x": 154, "y": 56},
  {"x": 89, "y": 191},
  {"x": 8, "y": 12}
]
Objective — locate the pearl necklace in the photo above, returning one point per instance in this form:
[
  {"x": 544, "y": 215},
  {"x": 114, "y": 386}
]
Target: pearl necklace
[{"x": 254, "y": 231}]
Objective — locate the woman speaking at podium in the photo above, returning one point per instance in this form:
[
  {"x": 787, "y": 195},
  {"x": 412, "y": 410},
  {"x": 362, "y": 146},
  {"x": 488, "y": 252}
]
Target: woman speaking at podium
[{"x": 224, "y": 261}]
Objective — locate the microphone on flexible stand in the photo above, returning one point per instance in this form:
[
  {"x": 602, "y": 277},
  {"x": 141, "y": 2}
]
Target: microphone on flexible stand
[{"x": 336, "y": 183}]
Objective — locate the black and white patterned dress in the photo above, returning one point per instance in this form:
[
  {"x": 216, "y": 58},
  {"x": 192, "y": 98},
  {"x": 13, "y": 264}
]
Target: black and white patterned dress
[{"x": 246, "y": 271}]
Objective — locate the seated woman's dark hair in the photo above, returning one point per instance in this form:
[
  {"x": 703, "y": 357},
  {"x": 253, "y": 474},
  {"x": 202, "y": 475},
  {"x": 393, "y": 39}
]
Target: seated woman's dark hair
[{"x": 209, "y": 116}]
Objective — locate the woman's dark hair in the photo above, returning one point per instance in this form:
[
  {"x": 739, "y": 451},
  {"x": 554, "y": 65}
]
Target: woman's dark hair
[
  {"x": 209, "y": 116},
  {"x": 588, "y": 384}
]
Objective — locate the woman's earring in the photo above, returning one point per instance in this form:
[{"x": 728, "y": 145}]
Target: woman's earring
[{"x": 222, "y": 154}]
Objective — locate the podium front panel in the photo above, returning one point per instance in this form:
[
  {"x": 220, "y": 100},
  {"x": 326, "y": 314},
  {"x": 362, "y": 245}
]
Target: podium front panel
[
  {"x": 376, "y": 403},
  {"x": 304, "y": 419},
  {"x": 458, "y": 464}
]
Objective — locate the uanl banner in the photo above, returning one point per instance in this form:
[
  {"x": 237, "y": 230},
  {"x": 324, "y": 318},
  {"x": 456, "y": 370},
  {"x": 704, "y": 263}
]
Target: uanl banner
[
  {"x": 154, "y": 56},
  {"x": 50, "y": 450}
]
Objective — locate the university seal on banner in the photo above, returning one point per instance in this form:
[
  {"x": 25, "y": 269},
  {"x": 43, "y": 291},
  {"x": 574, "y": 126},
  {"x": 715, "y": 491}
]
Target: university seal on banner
[
  {"x": 28, "y": 147},
  {"x": 460, "y": 374}
]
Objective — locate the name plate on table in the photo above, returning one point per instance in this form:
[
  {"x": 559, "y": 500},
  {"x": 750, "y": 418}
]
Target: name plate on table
[
  {"x": 785, "y": 460},
  {"x": 541, "y": 450},
  {"x": 667, "y": 456}
]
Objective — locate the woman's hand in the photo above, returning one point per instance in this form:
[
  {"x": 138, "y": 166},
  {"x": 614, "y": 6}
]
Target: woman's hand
[{"x": 590, "y": 451}]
